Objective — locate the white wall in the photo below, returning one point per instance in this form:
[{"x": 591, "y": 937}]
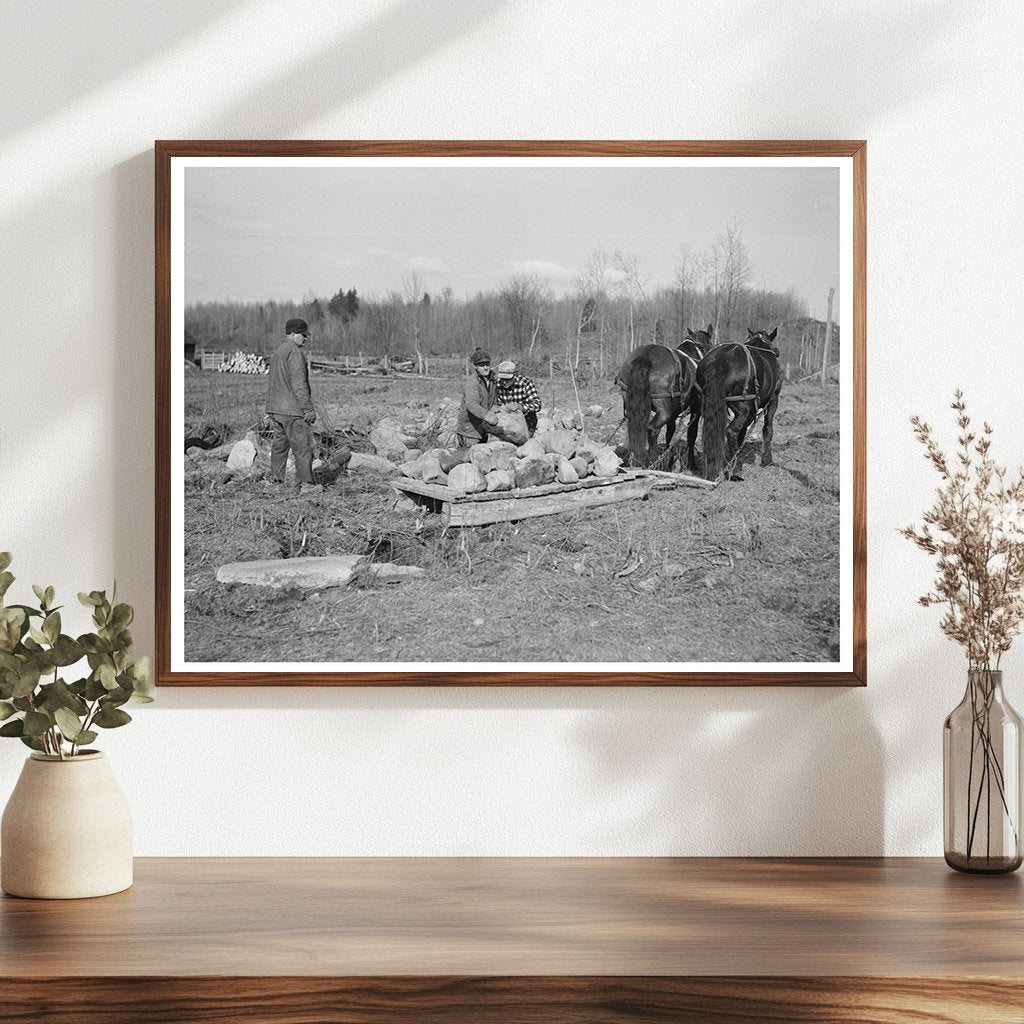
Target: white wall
[{"x": 935, "y": 88}]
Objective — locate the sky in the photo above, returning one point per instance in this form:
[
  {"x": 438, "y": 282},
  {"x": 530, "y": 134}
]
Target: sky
[{"x": 260, "y": 233}]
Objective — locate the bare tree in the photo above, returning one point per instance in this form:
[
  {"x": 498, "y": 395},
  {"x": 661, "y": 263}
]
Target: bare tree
[
  {"x": 526, "y": 300},
  {"x": 412, "y": 286},
  {"x": 386, "y": 315},
  {"x": 684, "y": 276},
  {"x": 591, "y": 293},
  {"x": 734, "y": 270},
  {"x": 632, "y": 283}
]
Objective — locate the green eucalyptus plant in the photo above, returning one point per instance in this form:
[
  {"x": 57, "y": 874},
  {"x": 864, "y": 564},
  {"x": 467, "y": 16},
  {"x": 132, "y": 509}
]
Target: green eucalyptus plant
[{"x": 46, "y": 712}]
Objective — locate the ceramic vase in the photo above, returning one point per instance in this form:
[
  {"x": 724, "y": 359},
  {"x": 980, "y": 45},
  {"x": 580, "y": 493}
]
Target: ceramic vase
[{"x": 66, "y": 831}]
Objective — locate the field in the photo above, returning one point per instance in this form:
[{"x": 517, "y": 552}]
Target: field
[{"x": 746, "y": 572}]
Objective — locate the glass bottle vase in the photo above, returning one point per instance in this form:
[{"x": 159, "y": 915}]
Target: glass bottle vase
[{"x": 981, "y": 773}]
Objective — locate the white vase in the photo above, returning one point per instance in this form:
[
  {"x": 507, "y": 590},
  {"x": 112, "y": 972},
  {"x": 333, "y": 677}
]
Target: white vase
[{"x": 66, "y": 831}]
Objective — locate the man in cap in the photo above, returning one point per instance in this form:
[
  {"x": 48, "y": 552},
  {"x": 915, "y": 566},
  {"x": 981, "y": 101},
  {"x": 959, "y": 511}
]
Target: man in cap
[
  {"x": 478, "y": 394},
  {"x": 290, "y": 407},
  {"x": 515, "y": 389}
]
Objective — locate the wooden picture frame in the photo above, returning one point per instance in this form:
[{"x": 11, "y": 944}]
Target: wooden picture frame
[{"x": 849, "y": 157}]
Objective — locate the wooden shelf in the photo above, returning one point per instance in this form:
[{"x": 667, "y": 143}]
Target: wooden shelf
[{"x": 573, "y": 941}]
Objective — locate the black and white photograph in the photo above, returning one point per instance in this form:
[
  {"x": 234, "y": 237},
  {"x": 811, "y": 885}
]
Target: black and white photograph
[{"x": 511, "y": 414}]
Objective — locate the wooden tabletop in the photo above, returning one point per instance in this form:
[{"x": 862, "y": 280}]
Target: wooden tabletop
[{"x": 504, "y": 917}]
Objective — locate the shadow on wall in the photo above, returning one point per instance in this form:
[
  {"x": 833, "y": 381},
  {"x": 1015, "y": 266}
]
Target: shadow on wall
[
  {"x": 407, "y": 34},
  {"x": 748, "y": 771}
]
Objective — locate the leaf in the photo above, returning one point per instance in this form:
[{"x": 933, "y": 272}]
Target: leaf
[
  {"x": 5, "y": 560},
  {"x": 31, "y": 741},
  {"x": 38, "y": 635},
  {"x": 15, "y": 728},
  {"x": 107, "y": 676},
  {"x": 59, "y": 695},
  {"x": 111, "y": 718},
  {"x": 51, "y": 627},
  {"x": 27, "y": 681},
  {"x": 36, "y": 723},
  {"x": 6, "y": 710},
  {"x": 86, "y": 736},
  {"x": 69, "y": 724},
  {"x": 142, "y": 682},
  {"x": 89, "y": 600},
  {"x": 122, "y": 616},
  {"x": 40, "y": 593},
  {"x": 66, "y": 651},
  {"x": 50, "y": 595},
  {"x": 94, "y": 689},
  {"x": 6, "y": 579},
  {"x": 94, "y": 645}
]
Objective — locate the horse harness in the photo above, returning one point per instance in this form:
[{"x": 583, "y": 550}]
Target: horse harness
[
  {"x": 678, "y": 392},
  {"x": 751, "y": 392}
]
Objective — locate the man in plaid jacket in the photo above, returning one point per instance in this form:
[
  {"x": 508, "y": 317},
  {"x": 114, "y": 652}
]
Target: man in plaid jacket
[{"x": 514, "y": 388}]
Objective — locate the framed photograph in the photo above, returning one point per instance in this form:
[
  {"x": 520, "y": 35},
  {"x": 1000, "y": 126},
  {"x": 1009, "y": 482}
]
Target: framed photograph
[{"x": 493, "y": 413}]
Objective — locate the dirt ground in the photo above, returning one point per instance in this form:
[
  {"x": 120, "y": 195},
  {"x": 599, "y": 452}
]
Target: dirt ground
[{"x": 747, "y": 572}]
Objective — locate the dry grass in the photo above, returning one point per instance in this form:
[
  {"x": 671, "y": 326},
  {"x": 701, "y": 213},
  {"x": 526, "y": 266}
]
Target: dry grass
[{"x": 748, "y": 572}]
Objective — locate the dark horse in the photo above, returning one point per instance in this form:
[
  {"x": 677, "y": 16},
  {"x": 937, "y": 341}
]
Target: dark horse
[
  {"x": 747, "y": 379},
  {"x": 655, "y": 382},
  {"x": 695, "y": 348}
]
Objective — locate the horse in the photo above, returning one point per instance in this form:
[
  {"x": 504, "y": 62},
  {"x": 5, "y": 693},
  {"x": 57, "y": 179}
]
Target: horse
[
  {"x": 655, "y": 382},
  {"x": 748, "y": 378},
  {"x": 695, "y": 347}
]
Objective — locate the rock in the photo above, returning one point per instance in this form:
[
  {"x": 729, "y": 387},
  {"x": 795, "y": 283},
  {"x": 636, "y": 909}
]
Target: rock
[
  {"x": 403, "y": 503},
  {"x": 314, "y": 573},
  {"x": 588, "y": 449},
  {"x": 501, "y": 480},
  {"x": 595, "y": 410},
  {"x": 561, "y": 442},
  {"x": 361, "y": 462},
  {"x": 533, "y": 449},
  {"x": 493, "y": 455},
  {"x": 412, "y": 454},
  {"x": 335, "y": 466},
  {"x": 544, "y": 424},
  {"x": 456, "y": 457},
  {"x": 565, "y": 472},
  {"x": 389, "y": 440},
  {"x": 533, "y": 471},
  {"x": 466, "y": 479},
  {"x": 581, "y": 465},
  {"x": 242, "y": 455},
  {"x": 568, "y": 420},
  {"x": 431, "y": 471},
  {"x": 511, "y": 427},
  {"x": 388, "y": 572},
  {"x": 607, "y": 463}
]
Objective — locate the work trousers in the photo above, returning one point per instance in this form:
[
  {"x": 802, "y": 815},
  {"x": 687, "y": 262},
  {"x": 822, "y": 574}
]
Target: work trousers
[{"x": 291, "y": 432}]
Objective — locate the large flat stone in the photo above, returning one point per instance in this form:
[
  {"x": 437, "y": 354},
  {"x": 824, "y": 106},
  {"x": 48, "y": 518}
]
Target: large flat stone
[{"x": 313, "y": 573}]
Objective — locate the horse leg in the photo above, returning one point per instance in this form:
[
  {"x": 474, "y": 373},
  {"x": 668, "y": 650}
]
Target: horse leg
[
  {"x": 737, "y": 430},
  {"x": 768, "y": 430},
  {"x": 662, "y": 418},
  {"x": 691, "y": 434}
]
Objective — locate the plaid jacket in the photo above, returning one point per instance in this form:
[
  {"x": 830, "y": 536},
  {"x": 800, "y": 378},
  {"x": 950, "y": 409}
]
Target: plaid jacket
[{"x": 519, "y": 389}]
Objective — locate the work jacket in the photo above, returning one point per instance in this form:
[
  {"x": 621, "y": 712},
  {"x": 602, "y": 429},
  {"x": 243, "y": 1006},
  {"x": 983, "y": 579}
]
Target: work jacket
[
  {"x": 478, "y": 396},
  {"x": 288, "y": 394}
]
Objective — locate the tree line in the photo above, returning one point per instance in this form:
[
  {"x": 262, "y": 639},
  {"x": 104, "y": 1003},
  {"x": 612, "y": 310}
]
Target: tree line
[{"x": 611, "y": 308}]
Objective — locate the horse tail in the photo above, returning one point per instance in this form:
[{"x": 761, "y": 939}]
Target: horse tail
[
  {"x": 713, "y": 409},
  {"x": 638, "y": 408}
]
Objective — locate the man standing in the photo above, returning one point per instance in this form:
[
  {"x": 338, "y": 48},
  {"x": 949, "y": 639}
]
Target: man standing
[
  {"x": 515, "y": 389},
  {"x": 290, "y": 407},
  {"x": 478, "y": 394}
]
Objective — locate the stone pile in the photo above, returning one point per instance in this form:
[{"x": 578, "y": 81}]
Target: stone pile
[{"x": 562, "y": 456}]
